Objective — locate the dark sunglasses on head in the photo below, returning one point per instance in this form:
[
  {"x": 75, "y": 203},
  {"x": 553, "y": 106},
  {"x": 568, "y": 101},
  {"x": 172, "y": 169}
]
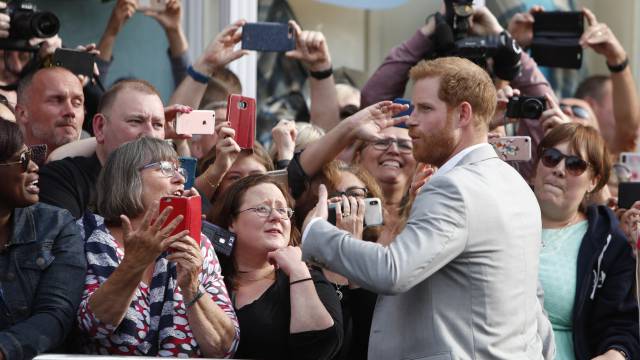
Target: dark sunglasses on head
[
  {"x": 577, "y": 110},
  {"x": 574, "y": 165}
]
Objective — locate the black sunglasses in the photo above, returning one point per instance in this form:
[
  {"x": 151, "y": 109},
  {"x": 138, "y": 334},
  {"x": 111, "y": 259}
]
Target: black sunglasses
[
  {"x": 25, "y": 158},
  {"x": 574, "y": 165}
]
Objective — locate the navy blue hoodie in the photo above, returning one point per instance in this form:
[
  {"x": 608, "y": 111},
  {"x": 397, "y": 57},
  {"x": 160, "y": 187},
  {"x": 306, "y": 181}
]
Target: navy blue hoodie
[{"x": 605, "y": 312}]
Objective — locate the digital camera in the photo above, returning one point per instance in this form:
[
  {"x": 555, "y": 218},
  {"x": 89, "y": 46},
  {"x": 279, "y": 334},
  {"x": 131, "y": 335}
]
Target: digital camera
[{"x": 526, "y": 107}]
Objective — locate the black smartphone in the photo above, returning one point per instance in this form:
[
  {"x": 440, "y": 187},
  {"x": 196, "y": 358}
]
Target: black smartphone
[
  {"x": 78, "y": 62},
  {"x": 268, "y": 36},
  {"x": 628, "y": 193},
  {"x": 556, "y": 39},
  {"x": 221, "y": 239}
]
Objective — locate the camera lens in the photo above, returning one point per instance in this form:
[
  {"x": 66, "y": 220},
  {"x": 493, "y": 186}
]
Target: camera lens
[
  {"x": 373, "y": 202},
  {"x": 532, "y": 108},
  {"x": 45, "y": 24}
]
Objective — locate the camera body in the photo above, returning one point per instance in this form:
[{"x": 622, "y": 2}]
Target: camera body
[
  {"x": 452, "y": 38},
  {"x": 526, "y": 107},
  {"x": 28, "y": 22}
]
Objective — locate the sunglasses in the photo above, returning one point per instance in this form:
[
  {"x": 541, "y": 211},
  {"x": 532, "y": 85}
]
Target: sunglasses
[
  {"x": 573, "y": 164},
  {"x": 25, "y": 158},
  {"x": 577, "y": 110}
]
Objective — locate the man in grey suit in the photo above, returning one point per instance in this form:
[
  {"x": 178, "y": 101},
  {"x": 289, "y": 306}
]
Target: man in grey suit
[{"x": 459, "y": 281}]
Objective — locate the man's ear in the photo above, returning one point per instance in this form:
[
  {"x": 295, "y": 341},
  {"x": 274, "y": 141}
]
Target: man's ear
[
  {"x": 465, "y": 114},
  {"x": 22, "y": 115},
  {"x": 98, "y": 122}
]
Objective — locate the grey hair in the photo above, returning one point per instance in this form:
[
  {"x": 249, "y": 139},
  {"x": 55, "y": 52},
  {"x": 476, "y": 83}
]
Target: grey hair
[{"x": 120, "y": 182}]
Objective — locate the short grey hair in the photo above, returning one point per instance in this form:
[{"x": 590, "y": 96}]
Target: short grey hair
[{"x": 120, "y": 182}]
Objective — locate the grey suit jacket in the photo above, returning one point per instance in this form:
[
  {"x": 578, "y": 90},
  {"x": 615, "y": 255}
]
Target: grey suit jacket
[{"x": 459, "y": 282}]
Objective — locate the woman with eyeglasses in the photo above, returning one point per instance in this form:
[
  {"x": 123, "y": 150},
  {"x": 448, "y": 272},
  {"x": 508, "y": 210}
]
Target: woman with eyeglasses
[
  {"x": 148, "y": 290},
  {"x": 390, "y": 161},
  {"x": 42, "y": 263},
  {"x": 286, "y": 310},
  {"x": 586, "y": 267}
]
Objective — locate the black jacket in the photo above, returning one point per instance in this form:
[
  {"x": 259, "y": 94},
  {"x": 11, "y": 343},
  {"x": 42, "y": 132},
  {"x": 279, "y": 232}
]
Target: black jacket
[{"x": 605, "y": 312}]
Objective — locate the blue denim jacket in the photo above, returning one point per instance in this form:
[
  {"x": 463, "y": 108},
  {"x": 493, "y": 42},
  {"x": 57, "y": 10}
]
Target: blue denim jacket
[{"x": 42, "y": 277}]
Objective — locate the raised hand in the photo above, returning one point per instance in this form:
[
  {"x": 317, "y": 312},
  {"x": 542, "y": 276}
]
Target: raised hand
[
  {"x": 188, "y": 258},
  {"x": 284, "y": 138},
  {"x": 170, "y": 18},
  {"x": 521, "y": 26},
  {"x": 421, "y": 177},
  {"x": 170, "y": 113},
  {"x": 122, "y": 11},
  {"x": 369, "y": 121},
  {"x": 311, "y": 48},
  {"x": 602, "y": 40},
  {"x": 553, "y": 116},
  {"x": 220, "y": 51},
  {"x": 145, "y": 243}
]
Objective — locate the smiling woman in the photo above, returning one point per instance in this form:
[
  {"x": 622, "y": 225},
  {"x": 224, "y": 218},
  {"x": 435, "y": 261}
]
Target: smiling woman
[
  {"x": 41, "y": 257},
  {"x": 141, "y": 270},
  {"x": 585, "y": 261}
]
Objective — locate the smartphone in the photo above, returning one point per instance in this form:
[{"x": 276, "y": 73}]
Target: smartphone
[
  {"x": 406, "y": 112},
  {"x": 241, "y": 113},
  {"x": 632, "y": 161},
  {"x": 512, "y": 148},
  {"x": 78, "y": 62},
  {"x": 372, "y": 212},
  {"x": 190, "y": 208},
  {"x": 268, "y": 36},
  {"x": 154, "y": 5},
  {"x": 221, "y": 239},
  {"x": 196, "y": 122},
  {"x": 189, "y": 165},
  {"x": 280, "y": 176},
  {"x": 628, "y": 193},
  {"x": 556, "y": 38}
]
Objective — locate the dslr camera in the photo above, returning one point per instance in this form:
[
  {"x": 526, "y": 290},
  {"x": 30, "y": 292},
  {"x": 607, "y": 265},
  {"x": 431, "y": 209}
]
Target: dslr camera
[
  {"x": 452, "y": 38},
  {"x": 526, "y": 107},
  {"x": 28, "y": 22}
]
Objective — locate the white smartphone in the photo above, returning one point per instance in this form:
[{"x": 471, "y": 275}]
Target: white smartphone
[
  {"x": 372, "y": 212},
  {"x": 196, "y": 122},
  {"x": 154, "y": 5},
  {"x": 512, "y": 148},
  {"x": 632, "y": 161}
]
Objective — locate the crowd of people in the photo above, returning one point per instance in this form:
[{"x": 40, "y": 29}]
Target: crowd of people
[{"x": 477, "y": 258}]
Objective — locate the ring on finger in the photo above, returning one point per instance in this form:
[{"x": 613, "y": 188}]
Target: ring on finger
[{"x": 346, "y": 214}]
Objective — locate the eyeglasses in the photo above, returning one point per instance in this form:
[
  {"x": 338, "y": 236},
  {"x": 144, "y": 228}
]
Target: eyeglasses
[
  {"x": 404, "y": 146},
  {"x": 265, "y": 211},
  {"x": 574, "y": 164},
  {"x": 577, "y": 110},
  {"x": 355, "y": 191},
  {"x": 167, "y": 168},
  {"x": 25, "y": 158}
]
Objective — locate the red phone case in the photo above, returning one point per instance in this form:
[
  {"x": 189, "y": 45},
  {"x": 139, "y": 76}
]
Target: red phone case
[
  {"x": 190, "y": 208},
  {"x": 241, "y": 113}
]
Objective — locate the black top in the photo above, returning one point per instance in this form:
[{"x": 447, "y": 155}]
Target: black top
[
  {"x": 605, "y": 312},
  {"x": 264, "y": 325},
  {"x": 70, "y": 183},
  {"x": 357, "y": 313}
]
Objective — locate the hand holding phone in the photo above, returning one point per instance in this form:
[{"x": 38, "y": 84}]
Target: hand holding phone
[
  {"x": 268, "y": 36},
  {"x": 152, "y": 5},
  {"x": 190, "y": 208},
  {"x": 241, "y": 113},
  {"x": 372, "y": 212},
  {"x": 556, "y": 38},
  {"x": 77, "y": 61},
  {"x": 196, "y": 122}
]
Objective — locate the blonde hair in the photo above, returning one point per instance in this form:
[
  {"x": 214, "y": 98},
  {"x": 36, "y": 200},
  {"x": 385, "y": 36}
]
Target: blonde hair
[{"x": 461, "y": 81}]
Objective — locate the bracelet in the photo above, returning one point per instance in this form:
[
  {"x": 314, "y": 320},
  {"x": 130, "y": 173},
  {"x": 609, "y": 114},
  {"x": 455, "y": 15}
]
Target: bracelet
[
  {"x": 621, "y": 352},
  {"x": 301, "y": 280},
  {"x": 213, "y": 186},
  {"x": 197, "y": 76},
  {"x": 619, "y": 67},
  {"x": 323, "y": 74},
  {"x": 195, "y": 299}
]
